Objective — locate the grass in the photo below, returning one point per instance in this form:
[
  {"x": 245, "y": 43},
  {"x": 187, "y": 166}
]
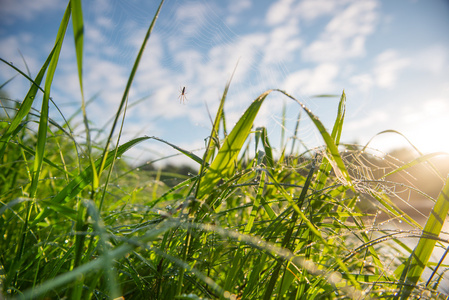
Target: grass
[{"x": 79, "y": 223}]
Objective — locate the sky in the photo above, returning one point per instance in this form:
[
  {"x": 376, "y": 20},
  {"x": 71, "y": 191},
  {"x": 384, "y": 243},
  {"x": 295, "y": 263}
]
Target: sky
[{"x": 390, "y": 57}]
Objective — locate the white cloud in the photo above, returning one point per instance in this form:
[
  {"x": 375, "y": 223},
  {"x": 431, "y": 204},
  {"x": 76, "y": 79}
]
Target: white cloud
[
  {"x": 14, "y": 10},
  {"x": 279, "y": 11},
  {"x": 427, "y": 110},
  {"x": 433, "y": 59},
  {"x": 313, "y": 81},
  {"x": 191, "y": 18},
  {"x": 357, "y": 19},
  {"x": 203, "y": 74},
  {"x": 436, "y": 106},
  {"x": 11, "y": 49},
  {"x": 94, "y": 37},
  {"x": 345, "y": 35},
  {"x": 374, "y": 118},
  {"x": 101, "y": 8},
  {"x": 388, "y": 65},
  {"x": 283, "y": 42},
  {"x": 364, "y": 82},
  {"x": 237, "y": 6},
  {"x": 12, "y": 46},
  {"x": 312, "y": 9},
  {"x": 105, "y": 22}
]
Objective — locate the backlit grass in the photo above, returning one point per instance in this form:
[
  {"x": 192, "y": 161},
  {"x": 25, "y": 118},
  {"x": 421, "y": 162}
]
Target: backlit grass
[{"x": 77, "y": 222}]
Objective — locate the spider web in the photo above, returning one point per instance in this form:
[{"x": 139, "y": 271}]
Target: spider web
[
  {"x": 195, "y": 46},
  {"x": 372, "y": 175}
]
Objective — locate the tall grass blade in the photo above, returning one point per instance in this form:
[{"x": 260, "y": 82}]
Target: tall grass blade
[
  {"x": 223, "y": 164},
  {"x": 96, "y": 264},
  {"x": 335, "y": 159},
  {"x": 435, "y": 170},
  {"x": 291, "y": 272},
  {"x": 104, "y": 247},
  {"x": 326, "y": 165},
  {"x": 78, "y": 34},
  {"x": 261, "y": 199},
  {"x": 78, "y": 183},
  {"x": 267, "y": 147},
  {"x": 416, "y": 161},
  {"x": 7, "y": 81},
  {"x": 43, "y": 122},
  {"x": 218, "y": 117},
  {"x": 127, "y": 88},
  {"x": 41, "y": 138},
  {"x": 183, "y": 151},
  {"x": 26, "y": 104},
  {"x": 214, "y": 138},
  {"x": 346, "y": 286},
  {"x": 419, "y": 258},
  {"x": 295, "y": 134},
  {"x": 284, "y": 113}
]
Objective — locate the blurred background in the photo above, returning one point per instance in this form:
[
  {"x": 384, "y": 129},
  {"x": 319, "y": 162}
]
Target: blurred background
[{"x": 390, "y": 57}]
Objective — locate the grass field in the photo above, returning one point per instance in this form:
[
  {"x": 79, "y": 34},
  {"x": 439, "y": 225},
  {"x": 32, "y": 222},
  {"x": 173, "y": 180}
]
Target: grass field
[{"x": 78, "y": 222}]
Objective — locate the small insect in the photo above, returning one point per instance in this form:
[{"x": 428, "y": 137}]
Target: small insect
[{"x": 182, "y": 98}]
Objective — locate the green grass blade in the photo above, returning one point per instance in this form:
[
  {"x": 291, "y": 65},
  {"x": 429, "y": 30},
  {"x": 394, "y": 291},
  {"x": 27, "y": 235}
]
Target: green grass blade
[
  {"x": 284, "y": 113},
  {"x": 183, "y": 151},
  {"x": 414, "y": 162},
  {"x": 421, "y": 254},
  {"x": 335, "y": 159},
  {"x": 46, "y": 160},
  {"x": 267, "y": 147},
  {"x": 261, "y": 199},
  {"x": 105, "y": 249},
  {"x": 223, "y": 164},
  {"x": 347, "y": 287},
  {"x": 295, "y": 134},
  {"x": 128, "y": 87},
  {"x": 216, "y": 126},
  {"x": 43, "y": 122},
  {"x": 394, "y": 210},
  {"x": 326, "y": 166},
  {"x": 78, "y": 33},
  {"x": 85, "y": 177},
  {"x": 395, "y": 132},
  {"x": 42, "y": 133},
  {"x": 435, "y": 170},
  {"x": 26, "y": 104},
  {"x": 338, "y": 125},
  {"x": 301, "y": 215},
  {"x": 7, "y": 81},
  {"x": 214, "y": 140},
  {"x": 96, "y": 264},
  {"x": 291, "y": 272}
]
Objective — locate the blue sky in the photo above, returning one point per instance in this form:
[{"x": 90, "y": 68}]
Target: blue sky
[{"x": 390, "y": 57}]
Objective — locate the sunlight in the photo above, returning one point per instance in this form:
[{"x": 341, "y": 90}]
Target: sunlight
[{"x": 427, "y": 131}]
